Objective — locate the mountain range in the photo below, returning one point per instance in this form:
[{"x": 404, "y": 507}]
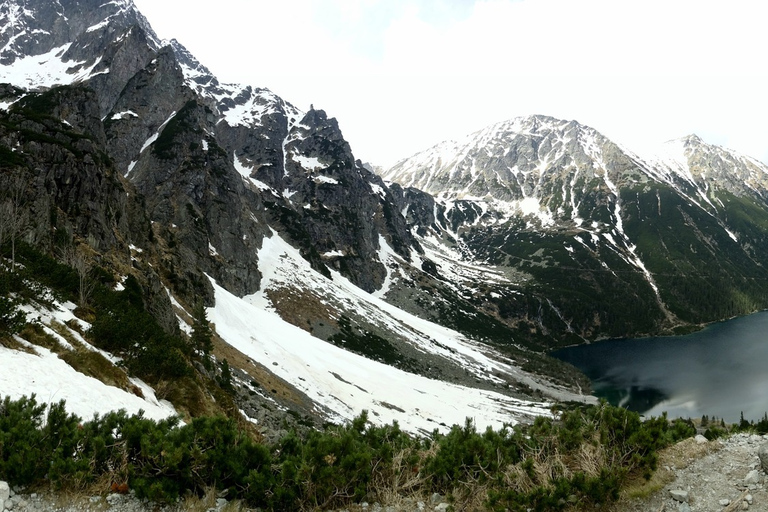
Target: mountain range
[{"x": 427, "y": 293}]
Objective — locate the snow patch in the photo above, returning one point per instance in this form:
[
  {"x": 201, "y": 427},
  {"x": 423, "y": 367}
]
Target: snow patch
[
  {"x": 122, "y": 115},
  {"x": 308, "y": 163},
  {"x": 312, "y": 366}
]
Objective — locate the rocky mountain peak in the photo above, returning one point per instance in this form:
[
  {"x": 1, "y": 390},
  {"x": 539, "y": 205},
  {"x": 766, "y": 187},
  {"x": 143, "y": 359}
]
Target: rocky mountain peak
[
  {"x": 519, "y": 162},
  {"x": 35, "y": 27}
]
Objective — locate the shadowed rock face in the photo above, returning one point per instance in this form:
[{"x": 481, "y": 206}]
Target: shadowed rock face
[{"x": 214, "y": 165}]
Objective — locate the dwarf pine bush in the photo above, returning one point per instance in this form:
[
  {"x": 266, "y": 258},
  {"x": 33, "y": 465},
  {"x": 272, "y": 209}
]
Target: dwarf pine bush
[{"x": 580, "y": 457}]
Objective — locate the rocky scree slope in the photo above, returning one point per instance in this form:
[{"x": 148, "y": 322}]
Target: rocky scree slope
[{"x": 599, "y": 241}]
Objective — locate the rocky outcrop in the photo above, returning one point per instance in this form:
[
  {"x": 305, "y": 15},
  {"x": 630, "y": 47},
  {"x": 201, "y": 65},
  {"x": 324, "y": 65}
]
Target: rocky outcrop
[
  {"x": 762, "y": 454},
  {"x": 53, "y": 148},
  {"x": 147, "y": 101},
  {"x": 209, "y": 220}
]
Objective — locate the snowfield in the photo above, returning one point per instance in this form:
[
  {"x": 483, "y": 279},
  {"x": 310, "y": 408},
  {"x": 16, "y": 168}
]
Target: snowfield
[
  {"x": 346, "y": 383},
  {"x": 51, "y": 379}
]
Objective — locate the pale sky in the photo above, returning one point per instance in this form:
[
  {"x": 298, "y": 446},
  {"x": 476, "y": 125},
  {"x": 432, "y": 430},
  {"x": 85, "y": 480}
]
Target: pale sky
[{"x": 403, "y": 75}]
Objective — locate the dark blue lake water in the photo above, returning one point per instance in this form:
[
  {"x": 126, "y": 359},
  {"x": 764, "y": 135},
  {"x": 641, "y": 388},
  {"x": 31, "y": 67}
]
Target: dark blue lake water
[{"x": 720, "y": 371}]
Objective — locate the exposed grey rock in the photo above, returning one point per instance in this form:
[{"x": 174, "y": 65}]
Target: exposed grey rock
[
  {"x": 679, "y": 495},
  {"x": 753, "y": 477},
  {"x": 5, "y": 490},
  {"x": 762, "y": 453}
]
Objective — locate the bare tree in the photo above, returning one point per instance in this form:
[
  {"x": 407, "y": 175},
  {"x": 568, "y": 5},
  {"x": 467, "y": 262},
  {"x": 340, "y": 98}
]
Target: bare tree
[
  {"x": 15, "y": 215},
  {"x": 6, "y": 211},
  {"x": 77, "y": 259}
]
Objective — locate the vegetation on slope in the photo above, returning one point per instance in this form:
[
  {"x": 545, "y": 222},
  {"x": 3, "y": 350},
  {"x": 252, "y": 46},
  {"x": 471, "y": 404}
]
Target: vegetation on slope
[
  {"x": 581, "y": 458},
  {"x": 121, "y": 324}
]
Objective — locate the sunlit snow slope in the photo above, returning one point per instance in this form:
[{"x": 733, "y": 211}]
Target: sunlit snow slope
[
  {"x": 41, "y": 372},
  {"x": 346, "y": 383}
]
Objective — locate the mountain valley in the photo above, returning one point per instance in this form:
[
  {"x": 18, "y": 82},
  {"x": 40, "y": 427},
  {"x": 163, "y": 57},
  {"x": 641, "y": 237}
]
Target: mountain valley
[{"x": 425, "y": 294}]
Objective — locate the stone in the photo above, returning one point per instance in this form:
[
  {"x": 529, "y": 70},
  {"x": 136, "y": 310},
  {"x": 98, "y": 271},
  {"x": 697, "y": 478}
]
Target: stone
[
  {"x": 725, "y": 503},
  {"x": 700, "y": 439},
  {"x": 679, "y": 495},
  {"x": 762, "y": 453},
  {"x": 5, "y": 491},
  {"x": 752, "y": 478},
  {"x": 683, "y": 507},
  {"x": 442, "y": 507},
  {"x": 748, "y": 498}
]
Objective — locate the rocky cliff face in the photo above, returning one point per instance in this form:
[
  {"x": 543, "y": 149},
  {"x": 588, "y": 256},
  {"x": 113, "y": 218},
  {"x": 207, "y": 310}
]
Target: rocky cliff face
[
  {"x": 216, "y": 165},
  {"x": 52, "y": 146}
]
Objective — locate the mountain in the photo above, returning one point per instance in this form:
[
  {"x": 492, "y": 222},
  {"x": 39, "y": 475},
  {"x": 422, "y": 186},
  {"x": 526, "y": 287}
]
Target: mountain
[
  {"x": 178, "y": 190},
  {"x": 602, "y": 242}
]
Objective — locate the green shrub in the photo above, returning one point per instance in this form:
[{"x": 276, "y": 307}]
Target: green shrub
[
  {"x": 579, "y": 458},
  {"x": 21, "y": 441}
]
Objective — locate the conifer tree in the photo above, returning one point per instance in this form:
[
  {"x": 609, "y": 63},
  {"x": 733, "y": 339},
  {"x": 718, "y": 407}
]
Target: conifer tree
[
  {"x": 202, "y": 335},
  {"x": 225, "y": 381}
]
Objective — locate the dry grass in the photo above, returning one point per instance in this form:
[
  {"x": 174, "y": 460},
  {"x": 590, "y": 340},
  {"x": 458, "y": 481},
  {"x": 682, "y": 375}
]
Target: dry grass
[
  {"x": 302, "y": 308},
  {"x": 259, "y": 372},
  {"x": 10, "y": 342},
  {"x": 208, "y": 502},
  {"x": 90, "y": 362},
  {"x": 675, "y": 457},
  {"x": 403, "y": 481}
]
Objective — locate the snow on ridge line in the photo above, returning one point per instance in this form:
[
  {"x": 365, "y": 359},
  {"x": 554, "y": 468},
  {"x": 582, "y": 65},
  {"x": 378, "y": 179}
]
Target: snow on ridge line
[{"x": 347, "y": 383}]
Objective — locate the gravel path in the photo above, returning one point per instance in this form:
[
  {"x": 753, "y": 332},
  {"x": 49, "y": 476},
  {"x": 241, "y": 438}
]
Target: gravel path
[{"x": 705, "y": 476}]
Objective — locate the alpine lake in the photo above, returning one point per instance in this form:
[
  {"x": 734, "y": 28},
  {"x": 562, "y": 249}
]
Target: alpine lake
[{"x": 720, "y": 371}]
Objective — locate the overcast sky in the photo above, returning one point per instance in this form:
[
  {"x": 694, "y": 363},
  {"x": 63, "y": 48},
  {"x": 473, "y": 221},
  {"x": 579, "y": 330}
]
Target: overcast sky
[{"x": 402, "y": 75}]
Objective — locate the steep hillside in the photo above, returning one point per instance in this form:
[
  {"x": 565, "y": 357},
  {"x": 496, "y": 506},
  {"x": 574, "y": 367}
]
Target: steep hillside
[
  {"x": 132, "y": 156},
  {"x": 601, "y": 242}
]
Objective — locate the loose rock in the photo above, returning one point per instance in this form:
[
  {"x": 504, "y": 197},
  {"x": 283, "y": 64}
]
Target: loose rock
[
  {"x": 752, "y": 478},
  {"x": 762, "y": 453}
]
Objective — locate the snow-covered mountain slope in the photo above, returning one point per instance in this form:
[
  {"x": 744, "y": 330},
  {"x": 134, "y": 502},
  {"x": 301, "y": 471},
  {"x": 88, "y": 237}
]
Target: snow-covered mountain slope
[
  {"x": 541, "y": 167},
  {"x": 33, "y": 369},
  {"x": 580, "y": 218},
  {"x": 211, "y": 191},
  {"x": 343, "y": 383}
]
